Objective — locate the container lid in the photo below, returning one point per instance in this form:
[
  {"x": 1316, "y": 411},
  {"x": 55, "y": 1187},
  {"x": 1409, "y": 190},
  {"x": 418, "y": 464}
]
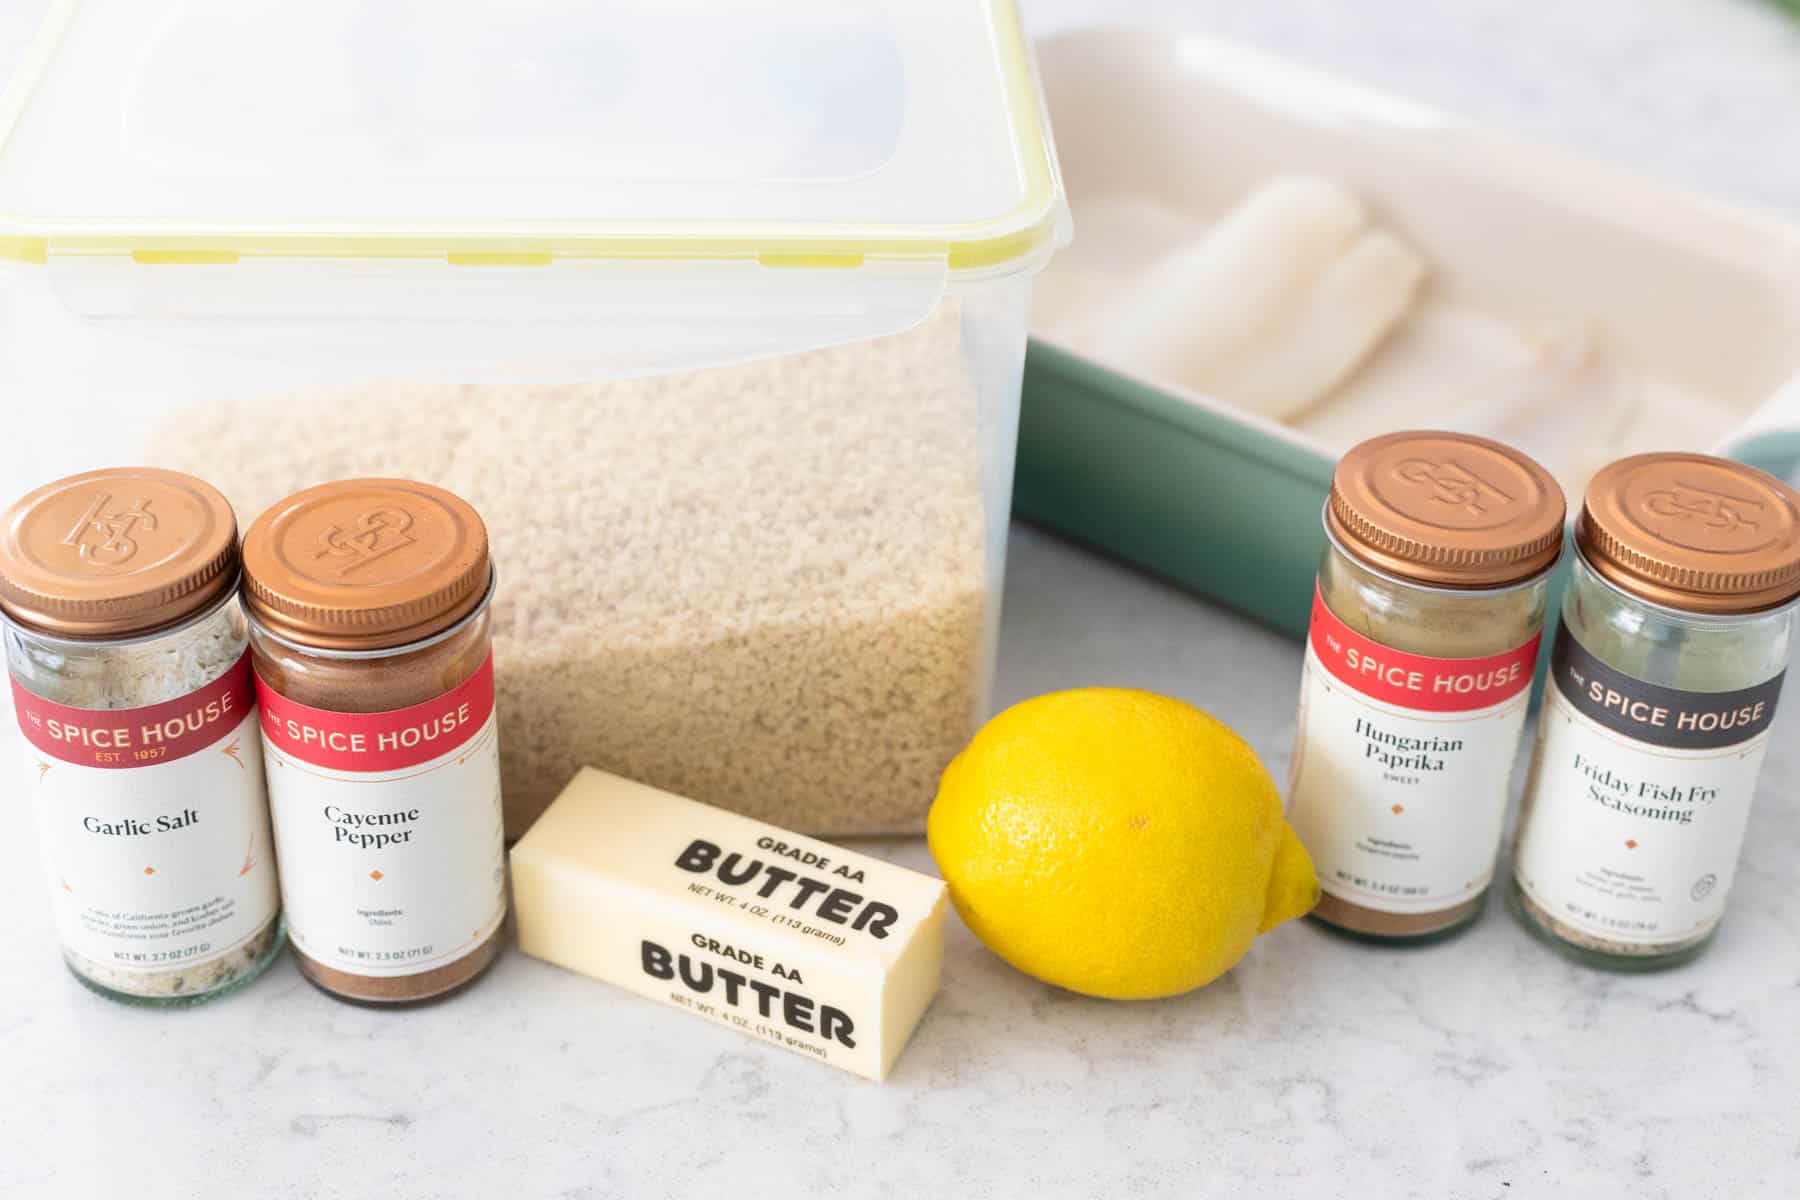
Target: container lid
[
  {"x": 1446, "y": 509},
  {"x": 365, "y": 564},
  {"x": 1693, "y": 532},
  {"x": 115, "y": 553},
  {"x": 803, "y": 132}
]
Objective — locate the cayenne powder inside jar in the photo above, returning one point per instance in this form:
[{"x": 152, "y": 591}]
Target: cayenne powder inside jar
[
  {"x": 130, "y": 672},
  {"x": 369, "y": 609},
  {"x": 1425, "y": 632}
]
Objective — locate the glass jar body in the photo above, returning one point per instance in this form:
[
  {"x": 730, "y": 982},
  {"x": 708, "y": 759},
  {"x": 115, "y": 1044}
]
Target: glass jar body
[
  {"x": 137, "y": 673},
  {"x": 1664, "y": 648},
  {"x": 1441, "y": 626},
  {"x": 375, "y": 682}
]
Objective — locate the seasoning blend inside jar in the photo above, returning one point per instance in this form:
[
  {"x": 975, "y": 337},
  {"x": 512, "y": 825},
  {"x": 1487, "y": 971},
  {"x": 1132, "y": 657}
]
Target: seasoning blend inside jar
[
  {"x": 1425, "y": 632},
  {"x": 130, "y": 670},
  {"x": 1675, "y": 638},
  {"x": 369, "y": 622}
]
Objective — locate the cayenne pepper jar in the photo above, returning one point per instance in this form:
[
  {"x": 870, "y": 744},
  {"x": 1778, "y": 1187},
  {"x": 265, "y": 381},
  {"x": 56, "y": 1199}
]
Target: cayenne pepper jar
[
  {"x": 1425, "y": 630},
  {"x": 130, "y": 670},
  {"x": 1675, "y": 639},
  {"x": 369, "y": 603}
]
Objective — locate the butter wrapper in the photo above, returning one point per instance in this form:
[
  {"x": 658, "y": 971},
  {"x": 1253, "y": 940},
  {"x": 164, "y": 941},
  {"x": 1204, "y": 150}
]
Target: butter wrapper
[{"x": 829, "y": 953}]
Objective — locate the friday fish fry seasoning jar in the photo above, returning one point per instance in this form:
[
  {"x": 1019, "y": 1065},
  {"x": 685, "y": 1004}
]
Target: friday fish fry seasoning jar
[
  {"x": 1425, "y": 630},
  {"x": 369, "y": 607},
  {"x": 130, "y": 671},
  {"x": 1675, "y": 637}
]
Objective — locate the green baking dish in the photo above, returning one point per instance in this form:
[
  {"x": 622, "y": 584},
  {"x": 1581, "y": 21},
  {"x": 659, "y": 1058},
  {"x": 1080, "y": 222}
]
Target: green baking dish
[
  {"x": 1227, "y": 504},
  {"x": 1218, "y": 507},
  {"x": 1214, "y": 505},
  {"x": 1176, "y": 490}
]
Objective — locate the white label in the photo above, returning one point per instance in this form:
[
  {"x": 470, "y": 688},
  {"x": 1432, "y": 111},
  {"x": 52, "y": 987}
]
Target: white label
[
  {"x": 389, "y": 829},
  {"x": 1635, "y": 839},
  {"x": 154, "y": 825},
  {"x": 1401, "y": 766}
]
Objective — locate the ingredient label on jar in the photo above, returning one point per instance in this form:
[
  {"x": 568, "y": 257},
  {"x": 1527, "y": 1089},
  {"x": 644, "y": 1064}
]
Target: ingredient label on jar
[
  {"x": 1401, "y": 767},
  {"x": 1641, "y": 797},
  {"x": 154, "y": 828},
  {"x": 383, "y": 819}
]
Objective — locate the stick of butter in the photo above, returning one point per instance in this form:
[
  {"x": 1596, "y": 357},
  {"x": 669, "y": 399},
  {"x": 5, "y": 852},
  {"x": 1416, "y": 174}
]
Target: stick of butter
[{"x": 805, "y": 944}]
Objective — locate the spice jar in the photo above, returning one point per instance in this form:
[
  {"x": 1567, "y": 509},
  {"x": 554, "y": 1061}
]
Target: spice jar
[
  {"x": 130, "y": 671},
  {"x": 1675, "y": 637},
  {"x": 369, "y": 624},
  {"x": 1425, "y": 630}
]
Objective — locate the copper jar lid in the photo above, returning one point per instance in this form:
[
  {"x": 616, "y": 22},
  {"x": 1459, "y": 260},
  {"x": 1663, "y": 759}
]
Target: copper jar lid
[
  {"x": 1693, "y": 532},
  {"x": 365, "y": 564},
  {"x": 116, "y": 553},
  {"x": 1446, "y": 509}
]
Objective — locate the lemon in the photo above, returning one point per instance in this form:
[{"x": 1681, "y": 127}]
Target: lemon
[{"x": 1116, "y": 843}]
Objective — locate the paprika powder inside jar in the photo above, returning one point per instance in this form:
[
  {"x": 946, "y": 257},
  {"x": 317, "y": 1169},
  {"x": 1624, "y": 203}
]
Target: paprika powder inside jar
[
  {"x": 1425, "y": 629},
  {"x": 368, "y": 603},
  {"x": 130, "y": 671}
]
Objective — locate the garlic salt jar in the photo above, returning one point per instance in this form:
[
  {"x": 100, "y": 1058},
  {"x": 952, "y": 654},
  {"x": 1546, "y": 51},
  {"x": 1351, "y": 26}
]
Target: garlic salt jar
[
  {"x": 1425, "y": 629},
  {"x": 1676, "y": 632},
  {"x": 369, "y": 606},
  {"x": 130, "y": 672}
]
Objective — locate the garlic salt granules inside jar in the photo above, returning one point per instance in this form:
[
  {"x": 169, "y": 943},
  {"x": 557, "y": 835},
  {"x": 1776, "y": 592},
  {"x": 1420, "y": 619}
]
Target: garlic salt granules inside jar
[
  {"x": 1676, "y": 633},
  {"x": 1424, "y": 639},
  {"x": 131, "y": 680},
  {"x": 369, "y": 604}
]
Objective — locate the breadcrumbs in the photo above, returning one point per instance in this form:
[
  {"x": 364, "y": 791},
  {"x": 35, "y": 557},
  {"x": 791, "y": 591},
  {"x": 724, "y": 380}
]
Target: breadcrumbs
[{"x": 766, "y": 585}]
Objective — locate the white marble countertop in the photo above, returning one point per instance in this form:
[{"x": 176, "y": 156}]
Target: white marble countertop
[
  {"x": 1486, "y": 1066},
  {"x": 1483, "y": 1067}
]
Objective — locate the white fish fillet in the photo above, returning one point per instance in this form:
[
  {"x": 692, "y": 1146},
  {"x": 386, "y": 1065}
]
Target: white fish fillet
[
  {"x": 1205, "y": 301},
  {"x": 1561, "y": 394},
  {"x": 1318, "y": 340},
  {"x": 1445, "y": 368}
]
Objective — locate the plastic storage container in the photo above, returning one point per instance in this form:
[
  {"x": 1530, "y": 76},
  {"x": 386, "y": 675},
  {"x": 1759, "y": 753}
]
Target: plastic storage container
[{"x": 716, "y": 312}]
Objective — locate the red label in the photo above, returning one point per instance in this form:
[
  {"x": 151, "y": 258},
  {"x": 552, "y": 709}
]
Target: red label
[
  {"x": 383, "y": 741},
  {"x": 121, "y": 738},
  {"x": 1417, "y": 681}
]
